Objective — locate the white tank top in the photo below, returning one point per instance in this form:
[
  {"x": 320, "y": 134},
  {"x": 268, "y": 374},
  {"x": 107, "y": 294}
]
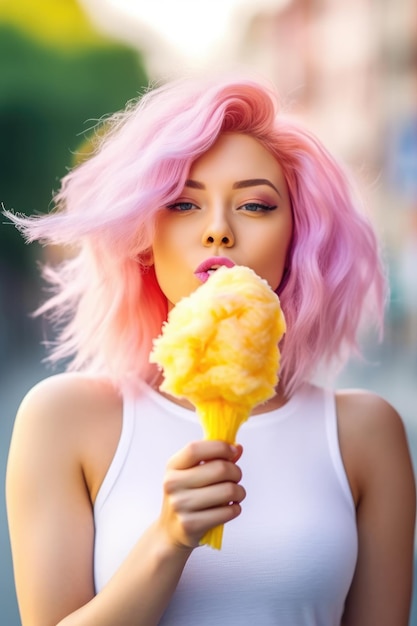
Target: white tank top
[{"x": 288, "y": 559}]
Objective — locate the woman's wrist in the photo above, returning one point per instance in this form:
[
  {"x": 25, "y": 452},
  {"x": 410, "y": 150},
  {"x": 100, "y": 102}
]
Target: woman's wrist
[{"x": 166, "y": 547}]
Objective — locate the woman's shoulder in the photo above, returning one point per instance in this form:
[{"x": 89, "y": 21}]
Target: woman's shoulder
[
  {"x": 366, "y": 414},
  {"x": 372, "y": 438},
  {"x": 75, "y": 416},
  {"x": 70, "y": 396}
]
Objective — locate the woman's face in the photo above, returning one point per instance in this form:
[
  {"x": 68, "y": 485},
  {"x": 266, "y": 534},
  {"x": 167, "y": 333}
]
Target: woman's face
[{"x": 234, "y": 209}]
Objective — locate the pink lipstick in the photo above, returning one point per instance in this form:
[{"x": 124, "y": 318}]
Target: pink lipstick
[{"x": 207, "y": 267}]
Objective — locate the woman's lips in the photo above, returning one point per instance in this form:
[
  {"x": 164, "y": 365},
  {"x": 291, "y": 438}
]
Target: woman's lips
[{"x": 207, "y": 267}]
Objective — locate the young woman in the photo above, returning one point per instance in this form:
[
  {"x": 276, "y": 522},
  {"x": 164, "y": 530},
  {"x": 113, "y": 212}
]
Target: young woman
[{"x": 110, "y": 486}]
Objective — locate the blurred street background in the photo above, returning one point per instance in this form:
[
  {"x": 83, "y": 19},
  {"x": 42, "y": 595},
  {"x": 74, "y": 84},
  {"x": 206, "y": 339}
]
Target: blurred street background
[{"x": 349, "y": 69}]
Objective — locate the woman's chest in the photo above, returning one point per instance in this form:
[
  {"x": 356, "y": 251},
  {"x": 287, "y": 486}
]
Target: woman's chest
[{"x": 295, "y": 540}]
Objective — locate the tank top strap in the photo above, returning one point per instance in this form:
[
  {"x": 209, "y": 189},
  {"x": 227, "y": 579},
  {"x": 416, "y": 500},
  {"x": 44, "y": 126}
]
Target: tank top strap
[
  {"x": 122, "y": 450},
  {"x": 334, "y": 444}
]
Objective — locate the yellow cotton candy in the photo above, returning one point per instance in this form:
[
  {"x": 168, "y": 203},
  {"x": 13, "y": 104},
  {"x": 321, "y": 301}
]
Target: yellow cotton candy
[
  {"x": 219, "y": 350},
  {"x": 221, "y": 342}
]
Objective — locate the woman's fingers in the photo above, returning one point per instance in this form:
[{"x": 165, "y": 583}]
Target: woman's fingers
[
  {"x": 197, "y": 452},
  {"x": 201, "y": 475},
  {"x": 201, "y": 490},
  {"x": 195, "y": 525},
  {"x": 219, "y": 495}
]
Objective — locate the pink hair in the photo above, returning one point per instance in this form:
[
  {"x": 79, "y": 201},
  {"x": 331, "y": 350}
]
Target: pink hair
[{"x": 107, "y": 302}]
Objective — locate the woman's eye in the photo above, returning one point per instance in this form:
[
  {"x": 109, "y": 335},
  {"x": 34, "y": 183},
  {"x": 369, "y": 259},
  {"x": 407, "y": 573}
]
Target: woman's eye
[
  {"x": 258, "y": 207},
  {"x": 181, "y": 206}
]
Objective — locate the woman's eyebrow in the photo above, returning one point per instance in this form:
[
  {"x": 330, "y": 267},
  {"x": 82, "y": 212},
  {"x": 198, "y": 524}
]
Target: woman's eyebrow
[
  {"x": 240, "y": 184},
  {"x": 254, "y": 182},
  {"x": 194, "y": 184}
]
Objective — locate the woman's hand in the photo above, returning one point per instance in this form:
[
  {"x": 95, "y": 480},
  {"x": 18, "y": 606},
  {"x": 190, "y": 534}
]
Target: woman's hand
[{"x": 201, "y": 491}]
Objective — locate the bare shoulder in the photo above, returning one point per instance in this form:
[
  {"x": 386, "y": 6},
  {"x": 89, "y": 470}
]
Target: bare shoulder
[
  {"x": 372, "y": 436},
  {"x": 366, "y": 418},
  {"x": 368, "y": 414},
  {"x": 73, "y": 415},
  {"x": 69, "y": 394}
]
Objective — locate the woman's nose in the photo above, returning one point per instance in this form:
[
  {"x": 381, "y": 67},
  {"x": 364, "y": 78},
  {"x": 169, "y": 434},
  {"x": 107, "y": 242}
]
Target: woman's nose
[{"x": 218, "y": 233}]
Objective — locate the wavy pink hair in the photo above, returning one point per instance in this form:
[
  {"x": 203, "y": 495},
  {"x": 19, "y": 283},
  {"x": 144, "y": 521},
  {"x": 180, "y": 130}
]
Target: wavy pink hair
[{"x": 107, "y": 302}]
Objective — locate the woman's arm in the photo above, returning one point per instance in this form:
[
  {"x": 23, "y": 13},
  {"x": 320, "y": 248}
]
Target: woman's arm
[
  {"x": 51, "y": 519},
  {"x": 379, "y": 467}
]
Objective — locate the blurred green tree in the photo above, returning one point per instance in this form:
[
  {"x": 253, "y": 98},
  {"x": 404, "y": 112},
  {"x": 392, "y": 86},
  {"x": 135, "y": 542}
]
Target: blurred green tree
[{"x": 58, "y": 76}]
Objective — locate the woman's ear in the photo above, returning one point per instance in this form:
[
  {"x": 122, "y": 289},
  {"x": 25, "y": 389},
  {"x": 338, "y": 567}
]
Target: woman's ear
[{"x": 146, "y": 258}]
